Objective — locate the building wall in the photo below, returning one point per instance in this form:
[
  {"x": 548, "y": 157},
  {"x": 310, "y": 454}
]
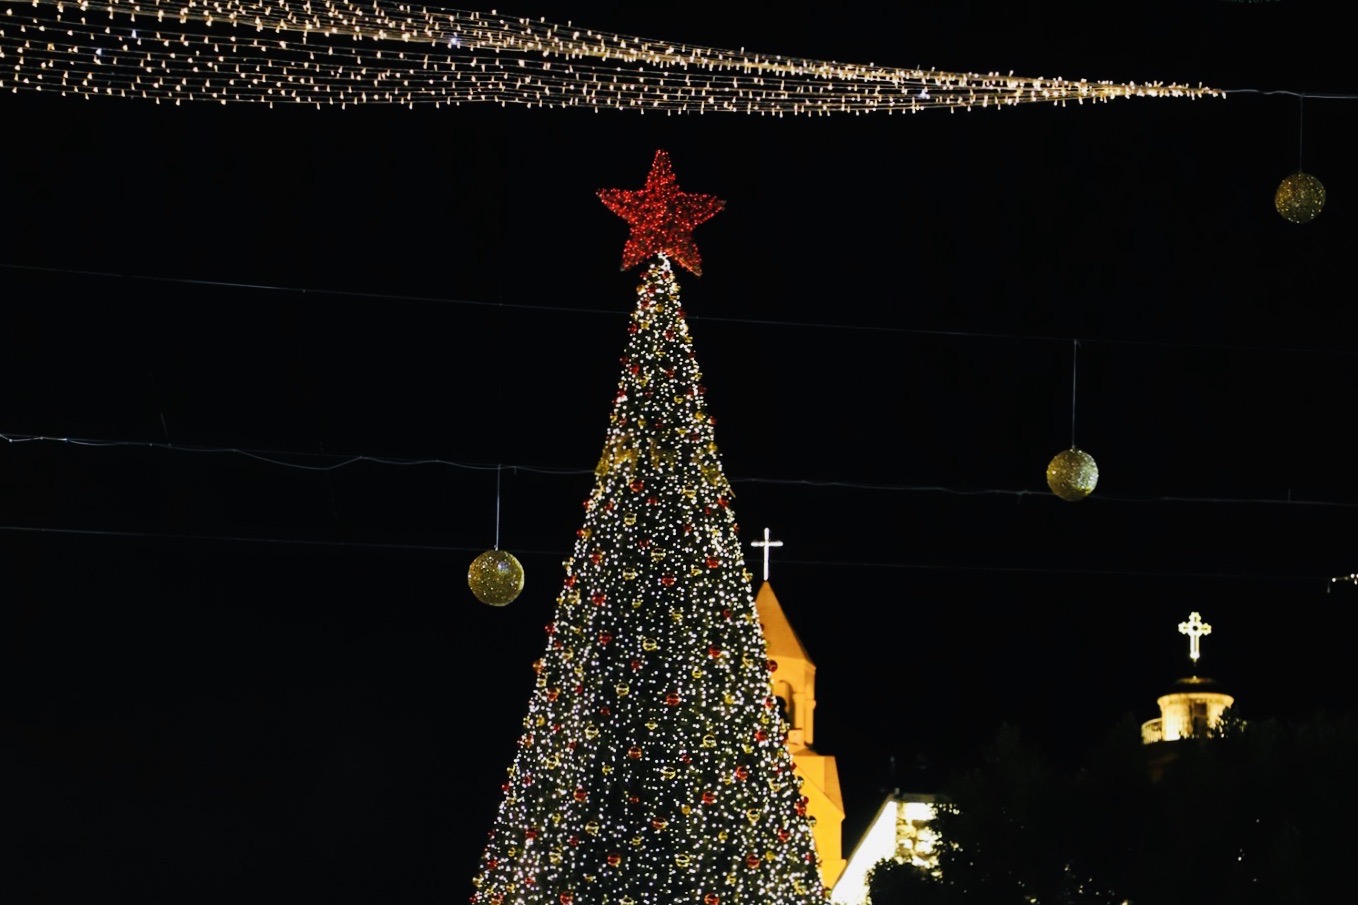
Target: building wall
[{"x": 901, "y": 832}]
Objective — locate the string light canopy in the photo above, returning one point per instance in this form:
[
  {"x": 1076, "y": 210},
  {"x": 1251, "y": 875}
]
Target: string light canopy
[{"x": 340, "y": 52}]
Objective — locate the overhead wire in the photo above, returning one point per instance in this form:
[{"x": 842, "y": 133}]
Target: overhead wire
[
  {"x": 696, "y": 318},
  {"x": 894, "y": 564},
  {"x": 327, "y": 462},
  {"x": 285, "y": 458}
]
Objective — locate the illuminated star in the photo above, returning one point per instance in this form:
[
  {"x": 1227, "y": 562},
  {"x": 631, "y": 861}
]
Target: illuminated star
[{"x": 662, "y": 217}]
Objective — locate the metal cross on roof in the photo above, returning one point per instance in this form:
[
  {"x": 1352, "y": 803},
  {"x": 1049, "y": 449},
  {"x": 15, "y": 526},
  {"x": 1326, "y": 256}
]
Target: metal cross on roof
[
  {"x": 766, "y": 543},
  {"x": 1194, "y": 628}
]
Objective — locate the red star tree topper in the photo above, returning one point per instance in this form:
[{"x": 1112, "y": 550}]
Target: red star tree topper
[{"x": 662, "y": 217}]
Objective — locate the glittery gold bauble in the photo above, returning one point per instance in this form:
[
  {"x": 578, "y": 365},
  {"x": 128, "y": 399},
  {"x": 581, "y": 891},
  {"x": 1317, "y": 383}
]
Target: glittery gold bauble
[
  {"x": 495, "y": 577},
  {"x": 1299, "y": 197},
  {"x": 1072, "y": 474}
]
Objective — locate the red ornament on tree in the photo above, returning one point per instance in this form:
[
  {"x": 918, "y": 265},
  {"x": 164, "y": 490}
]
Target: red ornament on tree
[{"x": 662, "y": 217}]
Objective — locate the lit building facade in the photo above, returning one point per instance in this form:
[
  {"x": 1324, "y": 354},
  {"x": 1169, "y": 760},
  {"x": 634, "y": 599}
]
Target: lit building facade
[
  {"x": 1193, "y": 707},
  {"x": 900, "y": 831}
]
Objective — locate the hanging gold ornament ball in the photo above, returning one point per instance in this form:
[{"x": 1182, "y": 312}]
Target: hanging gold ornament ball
[
  {"x": 495, "y": 577},
  {"x": 1072, "y": 474},
  {"x": 1299, "y": 197}
]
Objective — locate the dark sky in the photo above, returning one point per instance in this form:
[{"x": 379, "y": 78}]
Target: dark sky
[{"x": 264, "y": 673}]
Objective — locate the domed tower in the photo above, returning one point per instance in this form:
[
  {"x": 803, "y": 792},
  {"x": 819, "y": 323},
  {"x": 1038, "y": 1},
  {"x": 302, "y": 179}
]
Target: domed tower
[{"x": 1194, "y": 705}]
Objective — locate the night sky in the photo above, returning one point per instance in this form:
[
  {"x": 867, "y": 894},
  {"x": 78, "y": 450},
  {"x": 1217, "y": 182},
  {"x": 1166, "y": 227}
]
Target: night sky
[{"x": 274, "y": 378}]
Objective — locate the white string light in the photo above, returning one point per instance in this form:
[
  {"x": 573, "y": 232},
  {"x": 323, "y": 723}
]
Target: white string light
[{"x": 337, "y": 53}]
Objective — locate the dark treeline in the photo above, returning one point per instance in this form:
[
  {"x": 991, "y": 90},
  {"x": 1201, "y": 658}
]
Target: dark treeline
[{"x": 1260, "y": 813}]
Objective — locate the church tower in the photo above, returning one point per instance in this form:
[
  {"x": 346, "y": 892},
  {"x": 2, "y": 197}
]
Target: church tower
[
  {"x": 1194, "y": 705},
  {"x": 794, "y": 685}
]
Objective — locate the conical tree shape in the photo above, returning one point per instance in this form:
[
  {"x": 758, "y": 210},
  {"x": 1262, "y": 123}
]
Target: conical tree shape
[{"x": 653, "y": 768}]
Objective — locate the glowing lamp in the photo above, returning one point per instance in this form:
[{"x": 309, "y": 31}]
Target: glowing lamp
[
  {"x": 1072, "y": 474},
  {"x": 1299, "y": 197},
  {"x": 495, "y": 577}
]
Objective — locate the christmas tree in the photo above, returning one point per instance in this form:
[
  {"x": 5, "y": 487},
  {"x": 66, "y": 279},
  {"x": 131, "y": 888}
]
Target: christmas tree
[{"x": 653, "y": 767}]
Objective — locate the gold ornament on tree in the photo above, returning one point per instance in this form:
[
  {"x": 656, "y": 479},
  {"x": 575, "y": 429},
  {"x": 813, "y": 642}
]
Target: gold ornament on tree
[
  {"x": 1300, "y": 197},
  {"x": 1072, "y": 473},
  {"x": 496, "y": 577}
]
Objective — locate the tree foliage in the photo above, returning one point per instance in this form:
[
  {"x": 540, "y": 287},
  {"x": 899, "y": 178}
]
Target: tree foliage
[{"x": 1258, "y": 813}]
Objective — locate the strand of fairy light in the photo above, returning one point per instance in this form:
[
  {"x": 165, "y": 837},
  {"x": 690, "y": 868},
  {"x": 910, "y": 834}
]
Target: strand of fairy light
[{"x": 341, "y": 53}]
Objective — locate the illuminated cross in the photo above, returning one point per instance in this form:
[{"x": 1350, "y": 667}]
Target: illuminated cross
[
  {"x": 766, "y": 543},
  {"x": 1194, "y": 628}
]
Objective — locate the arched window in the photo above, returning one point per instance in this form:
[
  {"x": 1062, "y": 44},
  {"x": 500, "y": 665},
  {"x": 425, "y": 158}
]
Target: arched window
[{"x": 782, "y": 691}]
